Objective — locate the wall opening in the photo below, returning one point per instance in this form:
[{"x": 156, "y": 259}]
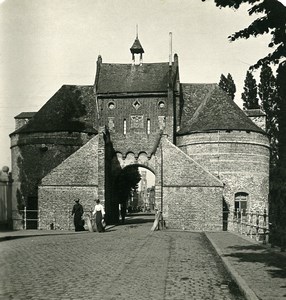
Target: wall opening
[
  {"x": 135, "y": 189},
  {"x": 240, "y": 203}
]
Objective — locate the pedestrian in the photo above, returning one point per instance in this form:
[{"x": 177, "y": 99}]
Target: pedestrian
[
  {"x": 99, "y": 216},
  {"x": 77, "y": 212},
  {"x": 123, "y": 212}
]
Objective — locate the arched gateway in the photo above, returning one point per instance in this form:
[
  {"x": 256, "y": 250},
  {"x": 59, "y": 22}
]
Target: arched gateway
[{"x": 195, "y": 139}]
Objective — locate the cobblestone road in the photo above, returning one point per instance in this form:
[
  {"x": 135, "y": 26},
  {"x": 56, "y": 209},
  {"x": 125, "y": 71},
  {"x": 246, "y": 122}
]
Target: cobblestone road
[{"x": 127, "y": 262}]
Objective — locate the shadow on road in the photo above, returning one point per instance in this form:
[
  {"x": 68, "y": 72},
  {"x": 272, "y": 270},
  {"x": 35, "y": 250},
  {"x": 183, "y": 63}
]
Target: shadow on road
[
  {"x": 139, "y": 218},
  {"x": 275, "y": 263}
]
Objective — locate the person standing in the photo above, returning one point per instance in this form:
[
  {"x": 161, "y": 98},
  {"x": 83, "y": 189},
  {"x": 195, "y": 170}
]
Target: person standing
[
  {"x": 77, "y": 212},
  {"x": 99, "y": 215}
]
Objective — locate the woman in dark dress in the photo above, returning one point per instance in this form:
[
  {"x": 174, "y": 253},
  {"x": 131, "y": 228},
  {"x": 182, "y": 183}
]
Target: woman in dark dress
[
  {"x": 77, "y": 212},
  {"x": 99, "y": 215}
]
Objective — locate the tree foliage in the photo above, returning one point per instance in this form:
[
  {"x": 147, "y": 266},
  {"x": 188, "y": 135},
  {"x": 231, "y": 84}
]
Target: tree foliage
[
  {"x": 126, "y": 181},
  {"x": 227, "y": 84},
  {"x": 267, "y": 90},
  {"x": 272, "y": 20},
  {"x": 249, "y": 95}
]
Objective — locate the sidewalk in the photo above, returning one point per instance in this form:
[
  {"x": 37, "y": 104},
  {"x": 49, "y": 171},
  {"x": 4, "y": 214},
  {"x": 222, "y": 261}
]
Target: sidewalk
[
  {"x": 259, "y": 271},
  {"x": 16, "y": 234}
]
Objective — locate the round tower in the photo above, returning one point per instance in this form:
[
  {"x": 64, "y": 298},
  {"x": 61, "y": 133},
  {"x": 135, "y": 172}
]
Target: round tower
[{"x": 222, "y": 139}]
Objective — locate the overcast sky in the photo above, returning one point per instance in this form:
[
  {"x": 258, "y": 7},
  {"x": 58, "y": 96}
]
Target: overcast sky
[{"x": 47, "y": 43}]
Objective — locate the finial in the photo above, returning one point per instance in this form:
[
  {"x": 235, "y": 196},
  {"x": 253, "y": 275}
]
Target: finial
[{"x": 136, "y": 31}]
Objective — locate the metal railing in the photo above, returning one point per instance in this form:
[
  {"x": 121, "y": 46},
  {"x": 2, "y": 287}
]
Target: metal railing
[
  {"x": 254, "y": 224},
  {"x": 47, "y": 219}
]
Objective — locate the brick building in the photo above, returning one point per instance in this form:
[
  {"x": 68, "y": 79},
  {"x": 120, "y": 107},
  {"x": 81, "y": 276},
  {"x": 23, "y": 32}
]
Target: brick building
[{"x": 200, "y": 145}]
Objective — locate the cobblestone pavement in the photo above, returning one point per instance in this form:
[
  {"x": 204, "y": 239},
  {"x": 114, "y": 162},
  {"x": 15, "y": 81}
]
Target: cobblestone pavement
[
  {"x": 126, "y": 262},
  {"x": 261, "y": 268}
]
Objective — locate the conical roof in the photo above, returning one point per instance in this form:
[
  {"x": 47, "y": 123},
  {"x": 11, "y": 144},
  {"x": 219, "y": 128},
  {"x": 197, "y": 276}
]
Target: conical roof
[
  {"x": 216, "y": 111},
  {"x": 137, "y": 47}
]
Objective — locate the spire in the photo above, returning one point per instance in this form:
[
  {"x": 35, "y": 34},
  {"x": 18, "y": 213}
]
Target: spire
[{"x": 137, "y": 48}]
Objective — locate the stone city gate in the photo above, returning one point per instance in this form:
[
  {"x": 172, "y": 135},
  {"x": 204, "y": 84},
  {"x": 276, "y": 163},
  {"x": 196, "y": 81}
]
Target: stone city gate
[
  {"x": 188, "y": 196},
  {"x": 200, "y": 145}
]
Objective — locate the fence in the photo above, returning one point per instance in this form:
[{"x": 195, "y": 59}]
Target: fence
[
  {"x": 247, "y": 222},
  {"x": 254, "y": 224},
  {"x": 44, "y": 219}
]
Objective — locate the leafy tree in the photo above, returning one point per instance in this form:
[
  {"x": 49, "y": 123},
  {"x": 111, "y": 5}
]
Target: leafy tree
[
  {"x": 227, "y": 84},
  {"x": 267, "y": 90},
  {"x": 249, "y": 96},
  {"x": 127, "y": 180},
  {"x": 271, "y": 20}
]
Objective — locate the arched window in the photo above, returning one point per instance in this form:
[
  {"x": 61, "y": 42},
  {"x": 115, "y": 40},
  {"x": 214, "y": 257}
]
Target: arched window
[
  {"x": 161, "y": 104},
  {"x": 111, "y": 105},
  {"x": 240, "y": 202}
]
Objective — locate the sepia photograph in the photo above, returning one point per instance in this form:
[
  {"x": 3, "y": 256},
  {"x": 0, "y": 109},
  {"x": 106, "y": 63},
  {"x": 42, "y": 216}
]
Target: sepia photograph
[{"x": 143, "y": 149}]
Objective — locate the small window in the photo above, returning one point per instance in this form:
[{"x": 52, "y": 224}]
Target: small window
[
  {"x": 136, "y": 104},
  {"x": 148, "y": 126},
  {"x": 240, "y": 202},
  {"x": 111, "y": 105},
  {"x": 161, "y": 104},
  {"x": 124, "y": 126}
]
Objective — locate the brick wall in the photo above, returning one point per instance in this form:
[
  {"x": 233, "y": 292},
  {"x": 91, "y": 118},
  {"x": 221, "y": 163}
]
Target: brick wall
[
  {"x": 75, "y": 178},
  {"x": 138, "y": 112},
  {"x": 56, "y": 203},
  {"x": 194, "y": 208},
  {"x": 34, "y": 155},
  {"x": 192, "y": 196},
  {"x": 240, "y": 159}
]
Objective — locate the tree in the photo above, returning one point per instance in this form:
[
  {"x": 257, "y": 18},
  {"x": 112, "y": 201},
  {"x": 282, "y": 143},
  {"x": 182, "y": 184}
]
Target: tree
[
  {"x": 267, "y": 90},
  {"x": 271, "y": 20},
  {"x": 227, "y": 84},
  {"x": 249, "y": 96},
  {"x": 127, "y": 180}
]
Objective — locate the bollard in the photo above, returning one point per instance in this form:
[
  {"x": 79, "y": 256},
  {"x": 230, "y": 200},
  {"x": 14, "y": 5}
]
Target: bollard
[{"x": 25, "y": 218}]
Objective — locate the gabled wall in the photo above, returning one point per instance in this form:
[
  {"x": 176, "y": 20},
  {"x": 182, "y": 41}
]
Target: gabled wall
[
  {"x": 75, "y": 178},
  {"x": 192, "y": 197}
]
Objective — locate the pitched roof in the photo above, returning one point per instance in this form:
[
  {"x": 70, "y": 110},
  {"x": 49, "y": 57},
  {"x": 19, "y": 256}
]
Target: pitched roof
[
  {"x": 71, "y": 108},
  {"x": 254, "y": 112},
  {"x": 25, "y": 115},
  {"x": 191, "y": 172},
  {"x": 128, "y": 78},
  {"x": 207, "y": 107}
]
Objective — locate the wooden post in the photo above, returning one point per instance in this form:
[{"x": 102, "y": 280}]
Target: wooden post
[
  {"x": 25, "y": 218},
  {"x": 257, "y": 225},
  {"x": 39, "y": 219},
  {"x": 251, "y": 223},
  {"x": 241, "y": 222},
  {"x": 264, "y": 227},
  {"x": 55, "y": 219}
]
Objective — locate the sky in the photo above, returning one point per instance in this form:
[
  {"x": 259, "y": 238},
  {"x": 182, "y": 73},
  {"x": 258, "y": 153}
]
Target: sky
[{"x": 47, "y": 43}]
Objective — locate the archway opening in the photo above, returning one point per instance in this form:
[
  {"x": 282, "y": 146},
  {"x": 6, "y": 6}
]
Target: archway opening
[{"x": 136, "y": 195}]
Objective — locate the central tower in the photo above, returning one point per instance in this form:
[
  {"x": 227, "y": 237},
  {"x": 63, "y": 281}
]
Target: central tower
[{"x": 137, "y": 49}]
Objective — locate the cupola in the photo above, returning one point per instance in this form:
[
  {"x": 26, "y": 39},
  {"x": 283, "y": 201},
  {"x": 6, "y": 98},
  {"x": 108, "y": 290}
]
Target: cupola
[{"x": 137, "y": 49}]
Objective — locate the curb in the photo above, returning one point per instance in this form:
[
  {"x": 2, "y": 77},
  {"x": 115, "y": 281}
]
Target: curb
[
  {"x": 244, "y": 288},
  {"x": 39, "y": 233}
]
